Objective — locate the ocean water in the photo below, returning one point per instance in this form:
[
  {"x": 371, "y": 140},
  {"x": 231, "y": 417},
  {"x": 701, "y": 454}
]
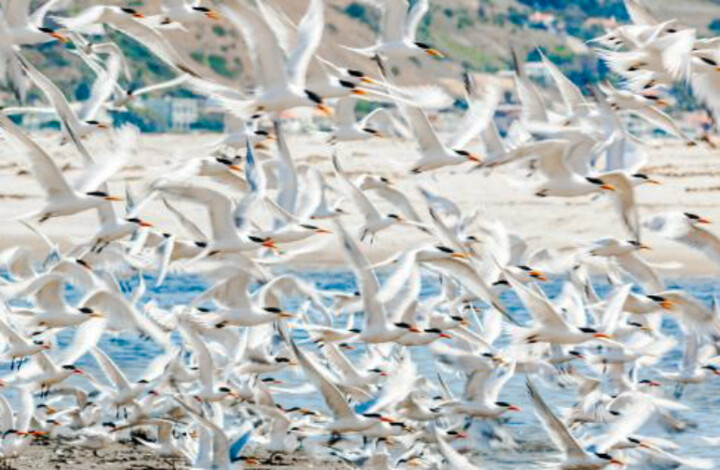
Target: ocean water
[{"x": 133, "y": 354}]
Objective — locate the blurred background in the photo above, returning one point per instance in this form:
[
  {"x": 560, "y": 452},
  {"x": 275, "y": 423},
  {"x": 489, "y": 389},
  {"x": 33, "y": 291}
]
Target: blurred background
[{"x": 476, "y": 35}]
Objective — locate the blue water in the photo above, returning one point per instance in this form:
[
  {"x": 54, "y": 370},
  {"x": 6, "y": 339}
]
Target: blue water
[{"x": 133, "y": 354}]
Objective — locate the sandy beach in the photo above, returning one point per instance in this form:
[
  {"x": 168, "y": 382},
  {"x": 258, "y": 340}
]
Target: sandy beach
[{"x": 689, "y": 176}]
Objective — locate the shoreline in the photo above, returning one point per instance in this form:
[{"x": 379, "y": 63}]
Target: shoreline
[{"x": 45, "y": 454}]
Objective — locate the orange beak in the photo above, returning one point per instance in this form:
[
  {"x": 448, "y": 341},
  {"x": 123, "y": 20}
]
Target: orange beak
[
  {"x": 514, "y": 408},
  {"x": 415, "y": 329},
  {"x": 475, "y": 158},
  {"x": 651, "y": 181},
  {"x": 434, "y": 53},
  {"x": 386, "y": 420},
  {"x": 285, "y": 315},
  {"x": 617, "y": 462},
  {"x": 607, "y": 187},
  {"x": 444, "y": 335},
  {"x": 325, "y": 110},
  {"x": 213, "y": 15},
  {"x": 322, "y": 230},
  {"x": 46, "y": 346},
  {"x": 113, "y": 198},
  {"x": 603, "y": 336},
  {"x": 662, "y": 103},
  {"x": 667, "y": 305},
  {"x": 537, "y": 275},
  {"x": 703, "y": 220},
  {"x": 138, "y": 15},
  {"x": 269, "y": 244},
  {"x": 460, "y": 255},
  {"x": 356, "y": 91},
  {"x": 103, "y": 126},
  {"x": 235, "y": 167},
  {"x": 145, "y": 224},
  {"x": 60, "y": 38}
]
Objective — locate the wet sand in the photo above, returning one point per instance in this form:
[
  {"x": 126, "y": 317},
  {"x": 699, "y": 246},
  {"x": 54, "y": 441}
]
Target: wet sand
[{"x": 46, "y": 455}]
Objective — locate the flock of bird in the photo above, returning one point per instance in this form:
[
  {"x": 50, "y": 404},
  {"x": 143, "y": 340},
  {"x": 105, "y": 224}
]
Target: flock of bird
[{"x": 215, "y": 389}]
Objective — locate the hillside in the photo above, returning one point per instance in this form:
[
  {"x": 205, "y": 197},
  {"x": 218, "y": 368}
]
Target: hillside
[{"x": 475, "y": 34}]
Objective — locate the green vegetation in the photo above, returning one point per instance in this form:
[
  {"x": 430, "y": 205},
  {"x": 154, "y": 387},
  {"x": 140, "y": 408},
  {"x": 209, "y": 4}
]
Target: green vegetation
[{"x": 715, "y": 26}]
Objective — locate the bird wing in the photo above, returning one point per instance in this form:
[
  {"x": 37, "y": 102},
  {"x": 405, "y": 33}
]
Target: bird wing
[
  {"x": 154, "y": 41},
  {"x": 536, "y": 303},
  {"x": 375, "y": 314},
  {"x": 262, "y": 43},
  {"x": 96, "y": 174},
  {"x": 571, "y": 94},
  {"x": 110, "y": 369},
  {"x": 88, "y": 16},
  {"x": 533, "y": 105},
  {"x": 399, "y": 384},
  {"x": 558, "y": 432},
  {"x": 189, "y": 225},
  {"x": 37, "y": 17},
  {"x": 288, "y": 194},
  {"x": 641, "y": 271},
  {"x": 334, "y": 398},
  {"x": 640, "y": 14},
  {"x": 478, "y": 117},
  {"x": 624, "y": 199},
  {"x": 102, "y": 88},
  {"x": 218, "y": 205},
  {"x": 177, "y": 81},
  {"x": 10, "y": 334},
  {"x": 637, "y": 413},
  {"x": 52, "y": 181},
  {"x": 340, "y": 362},
  {"x": 394, "y": 15},
  {"x": 400, "y": 200},
  {"x": 17, "y": 12},
  {"x": 422, "y": 129},
  {"x": 345, "y": 111},
  {"x": 50, "y": 296},
  {"x": 202, "y": 354},
  {"x": 485, "y": 386},
  {"x": 358, "y": 197},
  {"x": 414, "y": 17},
  {"x": 6, "y": 415},
  {"x": 660, "y": 119},
  {"x": 310, "y": 33},
  {"x": 454, "y": 459},
  {"x": 473, "y": 282},
  {"x": 702, "y": 240},
  {"x": 614, "y": 308}
]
